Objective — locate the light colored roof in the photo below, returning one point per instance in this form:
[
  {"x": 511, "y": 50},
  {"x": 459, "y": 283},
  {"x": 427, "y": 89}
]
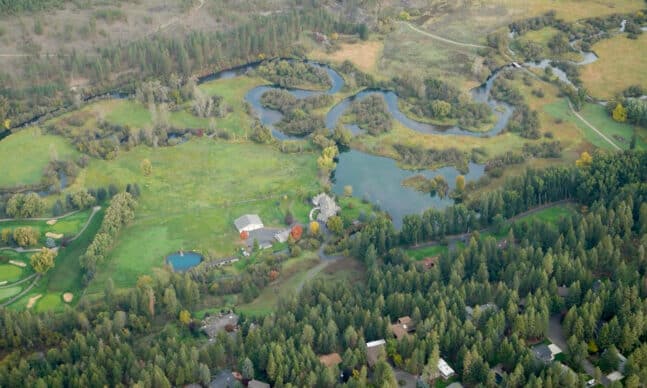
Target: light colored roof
[
  {"x": 554, "y": 349},
  {"x": 327, "y": 206},
  {"x": 615, "y": 376},
  {"x": 375, "y": 343},
  {"x": 444, "y": 368},
  {"x": 248, "y": 220},
  {"x": 330, "y": 359},
  {"x": 399, "y": 331},
  {"x": 282, "y": 236},
  {"x": 257, "y": 384}
]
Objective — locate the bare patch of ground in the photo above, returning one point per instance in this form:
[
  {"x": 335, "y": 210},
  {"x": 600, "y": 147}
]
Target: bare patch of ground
[
  {"x": 32, "y": 301},
  {"x": 364, "y": 55}
]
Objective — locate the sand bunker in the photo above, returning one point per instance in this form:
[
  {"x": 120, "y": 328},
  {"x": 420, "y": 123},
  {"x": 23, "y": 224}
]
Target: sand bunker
[
  {"x": 55, "y": 236},
  {"x": 32, "y": 300},
  {"x": 68, "y": 297},
  {"x": 18, "y": 263},
  {"x": 51, "y": 222}
]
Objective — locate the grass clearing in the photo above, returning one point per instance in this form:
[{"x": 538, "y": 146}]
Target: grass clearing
[
  {"x": 422, "y": 253},
  {"x": 49, "y": 302},
  {"x": 195, "y": 192},
  {"x": 27, "y": 152},
  {"x": 6, "y": 293},
  {"x": 294, "y": 274},
  {"x": 552, "y": 214},
  {"x": 364, "y": 55},
  {"x": 10, "y": 273},
  {"x": 621, "y": 64}
]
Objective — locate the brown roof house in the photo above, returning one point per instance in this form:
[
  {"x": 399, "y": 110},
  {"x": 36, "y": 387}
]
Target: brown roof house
[
  {"x": 404, "y": 326},
  {"x": 429, "y": 263},
  {"x": 375, "y": 350},
  {"x": 257, "y": 384},
  {"x": 330, "y": 360}
]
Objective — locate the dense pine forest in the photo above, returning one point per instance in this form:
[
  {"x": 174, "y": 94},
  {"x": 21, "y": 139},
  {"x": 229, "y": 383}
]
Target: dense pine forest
[{"x": 598, "y": 255}]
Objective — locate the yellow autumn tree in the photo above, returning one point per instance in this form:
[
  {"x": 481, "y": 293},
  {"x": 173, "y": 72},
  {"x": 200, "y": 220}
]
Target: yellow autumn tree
[
  {"x": 460, "y": 183},
  {"x": 147, "y": 167},
  {"x": 185, "y": 317},
  {"x": 620, "y": 113},
  {"x": 585, "y": 160},
  {"x": 314, "y": 228}
]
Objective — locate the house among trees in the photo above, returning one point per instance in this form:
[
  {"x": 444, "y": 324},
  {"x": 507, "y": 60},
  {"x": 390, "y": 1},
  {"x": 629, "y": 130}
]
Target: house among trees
[
  {"x": 445, "y": 370},
  {"x": 326, "y": 206},
  {"x": 282, "y": 236},
  {"x": 546, "y": 353},
  {"x": 330, "y": 360},
  {"x": 469, "y": 311},
  {"x": 248, "y": 222},
  {"x": 562, "y": 291},
  {"x": 373, "y": 351},
  {"x": 403, "y": 327},
  {"x": 429, "y": 263},
  {"x": 257, "y": 384}
]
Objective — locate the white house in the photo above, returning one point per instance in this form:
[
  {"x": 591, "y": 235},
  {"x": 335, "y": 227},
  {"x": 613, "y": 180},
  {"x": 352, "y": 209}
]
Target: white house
[
  {"x": 445, "y": 370},
  {"x": 248, "y": 222}
]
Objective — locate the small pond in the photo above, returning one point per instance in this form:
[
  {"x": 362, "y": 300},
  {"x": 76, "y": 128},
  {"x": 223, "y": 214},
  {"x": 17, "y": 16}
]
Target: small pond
[
  {"x": 183, "y": 261},
  {"x": 379, "y": 180}
]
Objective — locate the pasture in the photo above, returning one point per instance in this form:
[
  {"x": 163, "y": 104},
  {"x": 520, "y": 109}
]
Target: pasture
[
  {"x": 621, "y": 65},
  {"x": 26, "y": 153},
  {"x": 195, "y": 192}
]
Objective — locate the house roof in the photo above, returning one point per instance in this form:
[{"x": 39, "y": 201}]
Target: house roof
[
  {"x": 327, "y": 206},
  {"x": 406, "y": 320},
  {"x": 615, "y": 376},
  {"x": 554, "y": 349},
  {"x": 542, "y": 352},
  {"x": 373, "y": 349},
  {"x": 247, "y": 220},
  {"x": 562, "y": 291},
  {"x": 444, "y": 368},
  {"x": 399, "y": 331},
  {"x": 282, "y": 236},
  {"x": 257, "y": 384},
  {"x": 331, "y": 359}
]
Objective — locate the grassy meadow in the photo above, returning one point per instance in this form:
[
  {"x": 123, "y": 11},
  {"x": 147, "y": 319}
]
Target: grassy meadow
[
  {"x": 621, "y": 64},
  {"x": 194, "y": 194},
  {"x": 25, "y": 154}
]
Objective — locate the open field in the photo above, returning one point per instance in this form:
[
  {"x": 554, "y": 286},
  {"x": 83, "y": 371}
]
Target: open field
[
  {"x": 364, "y": 55},
  {"x": 26, "y": 153},
  {"x": 621, "y": 65},
  {"x": 552, "y": 214},
  {"x": 596, "y": 115},
  {"x": 10, "y": 273},
  {"x": 195, "y": 192},
  {"x": 422, "y": 253},
  {"x": 542, "y": 37}
]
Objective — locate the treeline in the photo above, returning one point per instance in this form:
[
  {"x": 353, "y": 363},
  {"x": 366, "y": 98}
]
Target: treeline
[
  {"x": 284, "y": 101},
  {"x": 371, "y": 114},
  {"x": 197, "y": 53},
  {"x": 293, "y": 74},
  {"x": 120, "y": 213},
  {"x": 524, "y": 121},
  {"x": 420, "y": 157}
]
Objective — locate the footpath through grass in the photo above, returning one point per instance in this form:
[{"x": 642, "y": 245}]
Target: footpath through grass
[{"x": 619, "y": 133}]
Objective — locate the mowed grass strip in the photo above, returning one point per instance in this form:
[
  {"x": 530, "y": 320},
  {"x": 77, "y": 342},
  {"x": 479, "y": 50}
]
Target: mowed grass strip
[
  {"x": 196, "y": 191},
  {"x": 10, "y": 273},
  {"x": 25, "y": 154},
  {"x": 621, "y": 64}
]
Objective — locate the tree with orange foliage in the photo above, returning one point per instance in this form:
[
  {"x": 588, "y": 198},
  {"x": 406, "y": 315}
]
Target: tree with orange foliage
[
  {"x": 296, "y": 232},
  {"x": 244, "y": 235},
  {"x": 274, "y": 274}
]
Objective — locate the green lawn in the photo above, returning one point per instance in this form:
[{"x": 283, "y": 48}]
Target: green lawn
[
  {"x": 6, "y": 293},
  {"x": 422, "y": 253},
  {"x": 26, "y": 153},
  {"x": 48, "y": 302},
  {"x": 596, "y": 115},
  {"x": 196, "y": 191},
  {"x": 68, "y": 226},
  {"x": 552, "y": 214},
  {"x": 10, "y": 273}
]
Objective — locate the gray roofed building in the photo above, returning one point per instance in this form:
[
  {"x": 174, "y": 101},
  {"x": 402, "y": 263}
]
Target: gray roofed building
[
  {"x": 282, "y": 236},
  {"x": 248, "y": 222},
  {"x": 326, "y": 205},
  {"x": 543, "y": 353},
  {"x": 257, "y": 384}
]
